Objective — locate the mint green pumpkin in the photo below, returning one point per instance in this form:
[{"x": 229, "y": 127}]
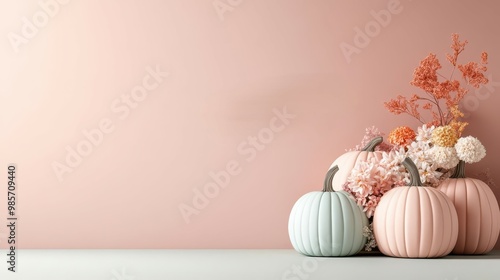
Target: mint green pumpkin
[{"x": 327, "y": 223}]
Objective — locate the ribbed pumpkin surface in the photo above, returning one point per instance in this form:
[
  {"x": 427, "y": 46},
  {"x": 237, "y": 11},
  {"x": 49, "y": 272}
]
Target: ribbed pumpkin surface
[
  {"x": 478, "y": 214},
  {"x": 327, "y": 224},
  {"x": 415, "y": 222}
]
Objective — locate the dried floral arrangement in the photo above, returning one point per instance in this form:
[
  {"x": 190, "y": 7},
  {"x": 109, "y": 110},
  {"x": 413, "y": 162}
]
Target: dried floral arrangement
[{"x": 436, "y": 147}]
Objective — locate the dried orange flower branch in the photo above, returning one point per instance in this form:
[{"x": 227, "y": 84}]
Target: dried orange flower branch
[{"x": 439, "y": 89}]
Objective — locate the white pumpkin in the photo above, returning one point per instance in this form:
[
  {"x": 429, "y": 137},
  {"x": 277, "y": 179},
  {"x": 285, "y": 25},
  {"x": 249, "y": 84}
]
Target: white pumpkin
[
  {"x": 327, "y": 223},
  {"x": 349, "y": 160}
]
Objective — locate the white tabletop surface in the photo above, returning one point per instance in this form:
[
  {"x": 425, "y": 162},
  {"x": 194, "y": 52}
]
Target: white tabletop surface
[{"x": 239, "y": 265}]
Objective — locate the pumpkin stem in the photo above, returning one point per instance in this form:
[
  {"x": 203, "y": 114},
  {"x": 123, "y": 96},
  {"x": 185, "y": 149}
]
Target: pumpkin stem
[
  {"x": 413, "y": 170},
  {"x": 459, "y": 170},
  {"x": 370, "y": 147},
  {"x": 327, "y": 185}
]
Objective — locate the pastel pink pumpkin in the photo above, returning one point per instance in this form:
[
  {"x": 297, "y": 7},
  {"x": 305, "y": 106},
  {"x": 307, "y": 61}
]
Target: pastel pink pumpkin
[
  {"x": 347, "y": 161},
  {"x": 415, "y": 221},
  {"x": 478, "y": 212}
]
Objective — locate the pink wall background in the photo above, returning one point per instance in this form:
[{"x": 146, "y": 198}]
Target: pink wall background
[{"x": 227, "y": 73}]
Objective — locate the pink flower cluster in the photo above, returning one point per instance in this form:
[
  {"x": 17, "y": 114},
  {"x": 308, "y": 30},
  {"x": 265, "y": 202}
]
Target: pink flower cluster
[
  {"x": 371, "y": 133},
  {"x": 370, "y": 180}
]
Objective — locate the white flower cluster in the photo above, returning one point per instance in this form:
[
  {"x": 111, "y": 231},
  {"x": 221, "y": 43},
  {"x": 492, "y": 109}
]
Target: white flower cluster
[
  {"x": 420, "y": 152},
  {"x": 445, "y": 157},
  {"x": 470, "y": 149},
  {"x": 370, "y": 238},
  {"x": 431, "y": 159}
]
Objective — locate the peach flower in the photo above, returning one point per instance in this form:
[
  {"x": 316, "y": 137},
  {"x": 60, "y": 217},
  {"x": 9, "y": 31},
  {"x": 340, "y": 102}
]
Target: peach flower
[
  {"x": 444, "y": 136},
  {"x": 402, "y": 136}
]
